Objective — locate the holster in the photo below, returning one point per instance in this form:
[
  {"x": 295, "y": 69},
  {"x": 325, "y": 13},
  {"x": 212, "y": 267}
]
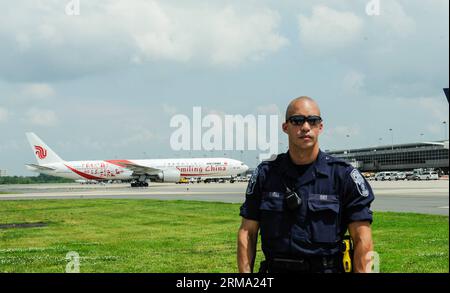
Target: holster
[{"x": 347, "y": 254}]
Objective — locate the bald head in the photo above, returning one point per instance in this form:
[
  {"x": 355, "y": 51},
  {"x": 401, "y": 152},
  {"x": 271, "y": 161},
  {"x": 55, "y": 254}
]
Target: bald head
[{"x": 301, "y": 102}]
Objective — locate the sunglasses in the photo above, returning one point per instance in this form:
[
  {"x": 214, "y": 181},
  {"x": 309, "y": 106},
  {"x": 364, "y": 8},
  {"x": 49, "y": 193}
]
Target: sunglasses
[{"x": 312, "y": 120}]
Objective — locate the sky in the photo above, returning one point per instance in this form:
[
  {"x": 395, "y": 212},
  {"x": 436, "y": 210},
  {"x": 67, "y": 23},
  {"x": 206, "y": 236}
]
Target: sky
[{"x": 104, "y": 81}]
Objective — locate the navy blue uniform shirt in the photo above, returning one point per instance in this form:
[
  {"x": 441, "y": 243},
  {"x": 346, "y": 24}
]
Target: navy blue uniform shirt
[{"x": 333, "y": 195}]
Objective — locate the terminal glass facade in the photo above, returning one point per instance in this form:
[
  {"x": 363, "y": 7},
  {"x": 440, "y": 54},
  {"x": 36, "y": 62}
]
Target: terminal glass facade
[{"x": 398, "y": 157}]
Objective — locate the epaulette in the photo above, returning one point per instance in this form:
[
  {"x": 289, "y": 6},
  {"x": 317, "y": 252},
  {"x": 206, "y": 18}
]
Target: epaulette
[
  {"x": 333, "y": 160},
  {"x": 274, "y": 160}
]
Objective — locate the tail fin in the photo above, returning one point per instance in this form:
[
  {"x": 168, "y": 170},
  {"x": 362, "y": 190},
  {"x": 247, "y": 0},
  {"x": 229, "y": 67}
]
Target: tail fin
[{"x": 44, "y": 154}]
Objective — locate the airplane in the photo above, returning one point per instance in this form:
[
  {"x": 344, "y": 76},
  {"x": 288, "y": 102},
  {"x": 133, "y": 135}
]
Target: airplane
[{"x": 140, "y": 172}]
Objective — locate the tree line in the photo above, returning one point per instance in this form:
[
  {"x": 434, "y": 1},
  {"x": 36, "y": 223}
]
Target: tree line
[{"x": 42, "y": 178}]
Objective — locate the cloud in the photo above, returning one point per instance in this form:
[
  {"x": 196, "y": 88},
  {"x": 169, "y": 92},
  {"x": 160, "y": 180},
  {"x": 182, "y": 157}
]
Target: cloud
[
  {"x": 433, "y": 106},
  {"x": 223, "y": 35},
  {"x": 434, "y": 128},
  {"x": 401, "y": 52},
  {"x": 328, "y": 29},
  {"x": 270, "y": 109},
  {"x": 341, "y": 131},
  {"x": 10, "y": 145},
  {"x": 353, "y": 82},
  {"x": 38, "y": 90},
  {"x": 393, "y": 19},
  {"x": 139, "y": 137},
  {"x": 43, "y": 43},
  {"x": 237, "y": 37},
  {"x": 4, "y": 114},
  {"x": 169, "y": 110},
  {"x": 41, "y": 117}
]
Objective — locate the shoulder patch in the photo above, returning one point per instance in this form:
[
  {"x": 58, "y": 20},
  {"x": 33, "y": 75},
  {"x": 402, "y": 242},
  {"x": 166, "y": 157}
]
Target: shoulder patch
[
  {"x": 360, "y": 183},
  {"x": 252, "y": 182}
]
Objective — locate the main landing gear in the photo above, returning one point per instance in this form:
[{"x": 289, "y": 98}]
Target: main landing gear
[{"x": 139, "y": 184}]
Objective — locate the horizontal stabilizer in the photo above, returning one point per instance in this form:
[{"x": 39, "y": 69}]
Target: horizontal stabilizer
[{"x": 42, "y": 168}]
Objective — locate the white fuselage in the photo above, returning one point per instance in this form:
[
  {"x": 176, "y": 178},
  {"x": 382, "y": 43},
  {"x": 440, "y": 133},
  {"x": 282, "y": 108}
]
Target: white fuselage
[{"x": 112, "y": 170}]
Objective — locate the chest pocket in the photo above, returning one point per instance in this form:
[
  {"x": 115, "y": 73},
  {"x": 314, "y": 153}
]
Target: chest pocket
[
  {"x": 273, "y": 219},
  {"x": 323, "y": 214}
]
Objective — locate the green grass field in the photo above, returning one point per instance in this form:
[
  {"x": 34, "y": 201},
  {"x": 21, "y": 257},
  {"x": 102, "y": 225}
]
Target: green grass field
[{"x": 180, "y": 236}]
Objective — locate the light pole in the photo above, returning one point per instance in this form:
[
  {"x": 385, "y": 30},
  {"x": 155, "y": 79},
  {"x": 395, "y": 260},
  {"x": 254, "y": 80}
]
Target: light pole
[
  {"x": 446, "y": 130},
  {"x": 348, "y": 143},
  {"x": 392, "y": 137}
]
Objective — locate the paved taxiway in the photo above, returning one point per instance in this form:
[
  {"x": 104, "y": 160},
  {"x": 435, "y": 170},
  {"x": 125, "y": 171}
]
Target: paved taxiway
[{"x": 430, "y": 197}]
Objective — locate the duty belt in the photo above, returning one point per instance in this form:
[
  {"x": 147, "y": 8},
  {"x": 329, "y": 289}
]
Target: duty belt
[{"x": 324, "y": 264}]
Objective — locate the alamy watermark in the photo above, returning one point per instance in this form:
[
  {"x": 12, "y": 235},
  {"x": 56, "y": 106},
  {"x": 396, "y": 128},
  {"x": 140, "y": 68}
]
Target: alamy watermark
[
  {"x": 373, "y": 265},
  {"x": 373, "y": 8},
  {"x": 226, "y": 132},
  {"x": 73, "y": 8},
  {"x": 73, "y": 266}
]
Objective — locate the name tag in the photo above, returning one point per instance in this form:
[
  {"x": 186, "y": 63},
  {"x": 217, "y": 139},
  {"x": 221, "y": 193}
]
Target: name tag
[
  {"x": 323, "y": 197},
  {"x": 274, "y": 194}
]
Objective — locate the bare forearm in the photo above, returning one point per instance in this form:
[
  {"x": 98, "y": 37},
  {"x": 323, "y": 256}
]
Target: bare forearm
[
  {"x": 362, "y": 257},
  {"x": 246, "y": 251}
]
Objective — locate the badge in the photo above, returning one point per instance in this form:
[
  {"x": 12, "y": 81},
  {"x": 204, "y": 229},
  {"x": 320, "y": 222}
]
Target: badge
[
  {"x": 252, "y": 182},
  {"x": 360, "y": 183}
]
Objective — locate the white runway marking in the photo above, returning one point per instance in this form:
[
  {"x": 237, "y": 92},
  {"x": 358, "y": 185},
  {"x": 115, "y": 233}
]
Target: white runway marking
[{"x": 446, "y": 207}]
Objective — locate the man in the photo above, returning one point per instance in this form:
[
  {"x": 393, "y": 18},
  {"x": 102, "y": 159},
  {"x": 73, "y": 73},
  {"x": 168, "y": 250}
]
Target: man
[{"x": 304, "y": 201}]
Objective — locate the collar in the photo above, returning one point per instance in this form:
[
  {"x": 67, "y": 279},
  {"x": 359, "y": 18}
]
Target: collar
[
  {"x": 322, "y": 164},
  {"x": 318, "y": 167}
]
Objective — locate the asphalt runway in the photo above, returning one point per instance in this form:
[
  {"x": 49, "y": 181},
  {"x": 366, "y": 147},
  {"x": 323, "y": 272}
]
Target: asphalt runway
[{"x": 427, "y": 197}]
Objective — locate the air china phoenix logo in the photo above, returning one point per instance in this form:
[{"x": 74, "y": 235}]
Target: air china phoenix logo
[{"x": 40, "y": 152}]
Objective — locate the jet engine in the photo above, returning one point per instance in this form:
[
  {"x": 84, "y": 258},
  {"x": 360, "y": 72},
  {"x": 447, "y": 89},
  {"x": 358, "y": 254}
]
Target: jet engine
[{"x": 171, "y": 175}]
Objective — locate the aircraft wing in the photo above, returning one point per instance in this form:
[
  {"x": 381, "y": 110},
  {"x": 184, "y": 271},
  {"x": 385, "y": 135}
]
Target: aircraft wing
[
  {"x": 42, "y": 168},
  {"x": 139, "y": 169}
]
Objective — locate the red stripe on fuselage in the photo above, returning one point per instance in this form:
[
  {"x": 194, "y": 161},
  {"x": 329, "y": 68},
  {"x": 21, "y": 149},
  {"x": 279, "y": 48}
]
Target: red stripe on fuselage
[
  {"x": 117, "y": 162},
  {"x": 84, "y": 175}
]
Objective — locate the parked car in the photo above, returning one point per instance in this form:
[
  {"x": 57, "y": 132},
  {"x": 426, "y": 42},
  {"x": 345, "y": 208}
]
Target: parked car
[
  {"x": 383, "y": 176},
  {"x": 400, "y": 176},
  {"x": 429, "y": 175},
  {"x": 413, "y": 176},
  {"x": 393, "y": 176},
  {"x": 380, "y": 176},
  {"x": 369, "y": 175}
]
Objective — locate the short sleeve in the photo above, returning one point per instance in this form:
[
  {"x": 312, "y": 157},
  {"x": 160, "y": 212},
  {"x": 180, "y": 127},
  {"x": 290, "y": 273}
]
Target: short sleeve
[
  {"x": 358, "y": 196},
  {"x": 250, "y": 207}
]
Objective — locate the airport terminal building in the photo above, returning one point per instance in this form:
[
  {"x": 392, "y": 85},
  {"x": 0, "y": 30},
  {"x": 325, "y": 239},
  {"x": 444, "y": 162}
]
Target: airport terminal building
[{"x": 398, "y": 157}]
